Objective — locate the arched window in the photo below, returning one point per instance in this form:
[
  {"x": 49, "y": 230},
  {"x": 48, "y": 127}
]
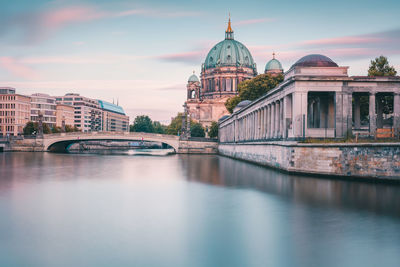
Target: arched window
[
  {"x": 229, "y": 84},
  {"x": 228, "y": 58},
  {"x": 193, "y": 94}
]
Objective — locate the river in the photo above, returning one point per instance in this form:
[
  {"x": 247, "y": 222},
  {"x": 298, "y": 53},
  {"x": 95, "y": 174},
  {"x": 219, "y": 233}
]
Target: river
[{"x": 187, "y": 210}]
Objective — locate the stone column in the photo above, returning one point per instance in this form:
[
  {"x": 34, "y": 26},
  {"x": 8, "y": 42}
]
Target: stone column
[
  {"x": 299, "y": 113},
  {"x": 271, "y": 135},
  {"x": 357, "y": 122},
  {"x": 285, "y": 112},
  {"x": 372, "y": 114},
  {"x": 396, "y": 113},
  {"x": 277, "y": 111},
  {"x": 339, "y": 131},
  {"x": 379, "y": 112},
  {"x": 281, "y": 131},
  {"x": 265, "y": 122}
]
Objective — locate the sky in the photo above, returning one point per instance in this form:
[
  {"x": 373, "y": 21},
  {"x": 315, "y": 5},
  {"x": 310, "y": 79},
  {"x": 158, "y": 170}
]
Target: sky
[{"x": 141, "y": 53}]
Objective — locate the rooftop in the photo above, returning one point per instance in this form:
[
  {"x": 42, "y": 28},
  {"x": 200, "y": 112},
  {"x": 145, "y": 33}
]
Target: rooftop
[{"x": 111, "y": 107}]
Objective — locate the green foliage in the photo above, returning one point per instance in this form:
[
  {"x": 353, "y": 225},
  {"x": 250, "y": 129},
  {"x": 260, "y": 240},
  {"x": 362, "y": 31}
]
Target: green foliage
[
  {"x": 142, "y": 124},
  {"x": 380, "y": 67},
  {"x": 56, "y": 129},
  {"x": 29, "y": 128},
  {"x": 175, "y": 126},
  {"x": 158, "y": 127},
  {"x": 232, "y": 102},
  {"x": 253, "y": 89},
  {"x": 213, "y": 132},
  {"x": 69, "y": 128},
  {"x": 32, "y": 128},
  {"x": 196, "y": 130}
]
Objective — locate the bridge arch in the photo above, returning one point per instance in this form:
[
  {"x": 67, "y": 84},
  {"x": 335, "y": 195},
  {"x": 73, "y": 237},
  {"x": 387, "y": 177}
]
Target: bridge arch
[{"x": 61, "y": 142}]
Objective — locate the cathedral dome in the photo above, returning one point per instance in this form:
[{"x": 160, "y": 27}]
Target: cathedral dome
[
  {"x": 273, "y": 64},
  {"x": 229, "y": 52},
  {"x": 193, "y": 78},
  {"x": 315, "y": 60}
]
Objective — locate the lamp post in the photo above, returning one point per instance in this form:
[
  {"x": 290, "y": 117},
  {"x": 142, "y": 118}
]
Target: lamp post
[{"x": 40, "y": 125}]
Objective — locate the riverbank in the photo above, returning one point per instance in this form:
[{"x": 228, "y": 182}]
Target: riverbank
[{"x": 372, "y": 161}]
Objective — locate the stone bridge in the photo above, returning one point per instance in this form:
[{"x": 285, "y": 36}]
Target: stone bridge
[{"x": 60, "y": 142}]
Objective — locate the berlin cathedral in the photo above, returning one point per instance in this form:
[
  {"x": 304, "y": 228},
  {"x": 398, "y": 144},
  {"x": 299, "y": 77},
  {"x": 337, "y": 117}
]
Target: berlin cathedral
[{"x": 227, "y": 64}]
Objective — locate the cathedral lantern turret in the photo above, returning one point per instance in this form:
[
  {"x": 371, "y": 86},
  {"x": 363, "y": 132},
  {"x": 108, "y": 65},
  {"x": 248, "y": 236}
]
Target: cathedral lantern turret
[{"x": 193, "y": 87}]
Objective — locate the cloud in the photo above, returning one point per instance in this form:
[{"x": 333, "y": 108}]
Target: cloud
[
  {"x": 156, "y": 13},
  {"x": 252, "y": 21},
  {"x": 94, "y": 59},
  {"x": 383, "y": 40},
  {"x": 35, "y": 27},
  {"x": 349, "y": 40},
  {"x": 185, "y": 57},
  {"x": 18, "y": 69}
]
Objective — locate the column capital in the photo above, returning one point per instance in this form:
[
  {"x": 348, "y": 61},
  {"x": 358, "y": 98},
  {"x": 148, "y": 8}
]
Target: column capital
[
  {"x": 372, "y": 93},
  {"x": 396, "y": 93}
]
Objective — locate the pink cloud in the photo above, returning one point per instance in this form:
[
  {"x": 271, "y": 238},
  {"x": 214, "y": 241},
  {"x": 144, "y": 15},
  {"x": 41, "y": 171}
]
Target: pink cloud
[
  {"x": 349, "y": 40},
  {"x": 252, "y": 21},
  {"x": 185, "y": 57},
  {"x": 54, "y": 19},
  {"x": 18, "y": 69}
]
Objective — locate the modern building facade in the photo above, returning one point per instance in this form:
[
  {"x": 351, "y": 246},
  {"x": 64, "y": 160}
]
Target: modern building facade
[
  {"x": 45, "y": 105},
  {"x": 15, "y": 112},
  {"x": 317, "y": 99},
  {"x": 65, "y": 115},
  {"x": 227, "y": 64},
  {"x": 114, "y": 117},
  {"x": 87, "y": 112}
]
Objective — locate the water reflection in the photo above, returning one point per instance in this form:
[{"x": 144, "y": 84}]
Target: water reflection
[
  {"x": 222, "y": 171},
  {"x": 197, "y": 210}
]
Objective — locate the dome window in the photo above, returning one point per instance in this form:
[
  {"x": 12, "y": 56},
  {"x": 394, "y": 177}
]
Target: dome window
[
  {"x": 228, "y": 58},
  {"x": 211, "y": 59},
  {"x": 229, "y": 47},
  {"x": 246, "y": 60}
]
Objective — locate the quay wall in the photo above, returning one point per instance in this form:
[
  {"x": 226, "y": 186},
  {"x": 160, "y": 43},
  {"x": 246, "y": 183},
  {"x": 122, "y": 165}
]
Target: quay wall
[{"x": 377, "y": 160}]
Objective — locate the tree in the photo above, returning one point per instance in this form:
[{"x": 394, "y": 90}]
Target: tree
[
  {"x": 56, "y": 129},
  {"x": 69, "y": 128},
  {"x": 213, "y": 132},
  {"x": 175, "y": 126},
  {"x": 196, "y": 130},
  {"x": 33, "y": 128},
  {"x": 253, "y": 89},
  {"x": 143, "y": 124},
  {"x": 380, "y": 67},
  {"x": 158, "y": 127},
  {"x": 232, "y": 102},
  {"x": 29, "y": 128}
]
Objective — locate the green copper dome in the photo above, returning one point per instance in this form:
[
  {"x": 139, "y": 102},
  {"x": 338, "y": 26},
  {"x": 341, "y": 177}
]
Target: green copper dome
[
  {"x": 193, "y": 78},
  {"x": 229, "y": 52},
  {"x": 273, "y": 64}
]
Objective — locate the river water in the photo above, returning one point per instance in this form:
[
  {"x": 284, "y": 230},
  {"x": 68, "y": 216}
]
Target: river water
[{"x": 190, "y": 210}]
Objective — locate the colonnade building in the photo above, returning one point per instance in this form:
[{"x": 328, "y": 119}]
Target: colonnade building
[{"x": 317, "y": 99}]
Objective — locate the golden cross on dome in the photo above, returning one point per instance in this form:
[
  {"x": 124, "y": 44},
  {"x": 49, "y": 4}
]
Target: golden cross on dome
[{"x": 229, "y": 29}]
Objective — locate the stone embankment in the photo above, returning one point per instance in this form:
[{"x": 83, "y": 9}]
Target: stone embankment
[{"x": 368, "y": 160}]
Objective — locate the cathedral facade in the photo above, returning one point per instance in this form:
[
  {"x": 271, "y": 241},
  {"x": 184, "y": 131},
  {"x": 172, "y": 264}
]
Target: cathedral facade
[{"x": 227, "y": 64}]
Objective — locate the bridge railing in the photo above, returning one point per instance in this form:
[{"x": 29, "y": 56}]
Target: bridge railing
[{"x": 135, "y": 134}]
